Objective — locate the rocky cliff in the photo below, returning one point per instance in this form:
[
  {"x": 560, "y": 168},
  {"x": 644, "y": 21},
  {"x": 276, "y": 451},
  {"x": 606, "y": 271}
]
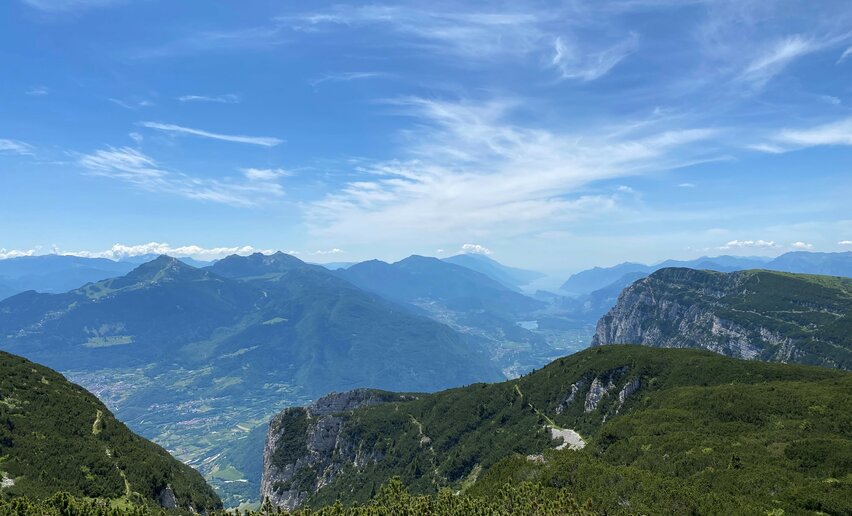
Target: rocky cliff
[
  {"x": 762, "y": 315},
  {"x": 305, "y": 449}
]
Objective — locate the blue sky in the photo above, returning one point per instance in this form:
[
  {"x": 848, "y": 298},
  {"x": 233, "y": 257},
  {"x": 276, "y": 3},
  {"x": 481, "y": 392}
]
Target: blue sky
[{"x": 556, "y": 135}]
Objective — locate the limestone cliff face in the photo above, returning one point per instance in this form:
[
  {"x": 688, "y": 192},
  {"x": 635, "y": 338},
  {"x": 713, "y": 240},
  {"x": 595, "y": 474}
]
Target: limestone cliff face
[
  {"x": 748, "y": 315},
  {"x": 305, "y": 449}
]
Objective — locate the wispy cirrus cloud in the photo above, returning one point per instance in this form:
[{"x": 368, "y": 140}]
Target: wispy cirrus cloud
[
  {"x": 227, "y": 98},
  {"x": 263, "y": 141},
  {"x": 15, "y": 147},
  {"x": 133, "y": 103},
  {"x": 838, "y": 132},
  {"x": 256, "y": 186},
  {"x": 345, "y": 77},
  {"x": 37, "y": 91},
  {"x": 577, "y": 63},
  {"x": 469, "y": 170},
  {"x": 776, "y": 57}
]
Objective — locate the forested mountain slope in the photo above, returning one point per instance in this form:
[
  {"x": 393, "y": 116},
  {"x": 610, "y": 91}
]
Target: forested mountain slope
[{"x": 55, "y": 436}]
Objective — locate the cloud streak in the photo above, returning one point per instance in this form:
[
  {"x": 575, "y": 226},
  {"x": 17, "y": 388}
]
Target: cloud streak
[
  {"x": 470, "y": 171},
  {"x": 228, "y": 98},
  {"x": 15, "y": 147},
  {"x": 263, "y": 141},
  {"x": 131, "y": 166}
]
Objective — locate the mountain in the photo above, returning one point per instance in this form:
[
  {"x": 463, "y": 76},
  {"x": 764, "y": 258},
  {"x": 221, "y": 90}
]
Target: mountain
[
  {"x": 763, "y": 315},
  {"x": 6, "y": 291},
  {"x": 333, "y": 266},
  {"x": 55, "y": 436},
  {"x": 832, "y": 264},
  {"x": 596, "y": 278},
  {"x": 197, "y": 358},
  {"x": 632, "y": 429},
  {"x": 55, "y": 273},
  {"x": 468, "y": 301},
  {"x": 144, "y": 258},
  {"x": 511, "y": 277},
  {"x": 454, "y": 286},
  {"x": 600, "y": 277}
]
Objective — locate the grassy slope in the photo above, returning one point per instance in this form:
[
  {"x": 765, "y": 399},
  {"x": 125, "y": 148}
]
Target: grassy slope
[
  {"x": 55, "y": 436},
  {"x": 703, "y": 429}
]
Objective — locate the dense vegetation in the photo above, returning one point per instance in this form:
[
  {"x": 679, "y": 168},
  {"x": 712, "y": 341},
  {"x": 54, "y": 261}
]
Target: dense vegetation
[
  {"x": 703, "y": 433},
  {"x": 55, "y": 436},
  {"x": 393, "y": 499},
  {"x": 773, "y": 316}
]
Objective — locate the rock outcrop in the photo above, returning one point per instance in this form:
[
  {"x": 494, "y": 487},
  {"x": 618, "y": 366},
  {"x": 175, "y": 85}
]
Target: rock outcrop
[
  {"x": 305, "y": 450},
  {"x": 761, "y": 315}
]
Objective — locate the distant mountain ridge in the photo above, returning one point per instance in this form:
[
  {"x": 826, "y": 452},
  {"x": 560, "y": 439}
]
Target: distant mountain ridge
[
  {"x": 511, "y": 277},
  {"x": 55, "y": 273},
  {"x": 803, "y": 262},
  {"x": 456, "y": 286},
  {"x": 757, "y": 314}
]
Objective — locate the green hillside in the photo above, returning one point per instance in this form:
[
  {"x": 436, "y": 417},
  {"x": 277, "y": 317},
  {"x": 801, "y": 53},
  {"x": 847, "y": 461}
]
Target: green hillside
[
  {"x": 666, "y": 431},
  {"x": 55, "y": 436}
]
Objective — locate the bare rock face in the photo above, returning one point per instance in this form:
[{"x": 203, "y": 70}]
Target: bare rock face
[
  {"x": 305, "y": 450},
  {"x": 166, "y": 498},
  {"x": 731, "y": 314}
]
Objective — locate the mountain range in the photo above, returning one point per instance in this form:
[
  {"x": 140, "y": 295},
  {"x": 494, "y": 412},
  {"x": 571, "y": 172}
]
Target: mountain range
[
  {"x": 227, "y": 346},
  {"x": 805, "y": 262}
]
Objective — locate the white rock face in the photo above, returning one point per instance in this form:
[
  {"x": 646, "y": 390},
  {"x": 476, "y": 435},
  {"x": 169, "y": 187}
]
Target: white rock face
[
  {"x": 685, "y": 308},
  {"x": 6, "y": 481},
  {"x": 570, "y": 438}
]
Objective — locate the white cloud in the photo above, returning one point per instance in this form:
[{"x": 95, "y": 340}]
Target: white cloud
[
  {"x": 749, "y": 244},
  {"x": 776, "y": 57},
  {"x": 228, "y": 98},
  {"x": 265, "y": 174},
  {"x": 830, "y": 99},
  {"x": 845, "y": 242},
  {"x": 119, "y": 251},
  {"x": 846, "y": 53},
  {"x": 475, "y": 249},
  {"x": 345, "y": 77},
  {"x": 37, "y": 91},
  {"x": 15, "y": 253},
  {"x": 459, "y": 32},
  {"x": 834, "y": 133},
  {"x": 134, "y": 167},
  {"x": 588, "y": 65},
  {"x": 469, "y": 171},
  {"x": 686, "y": 185},
  {"x": 264, "y": 141},
  {"x": 801, "y": 245},
  {"x": 329, "y": 251},
  {"x": 133, "y": 103},
  {"x": 136, "y": 137},
  {"x": 15, "y": 147}
]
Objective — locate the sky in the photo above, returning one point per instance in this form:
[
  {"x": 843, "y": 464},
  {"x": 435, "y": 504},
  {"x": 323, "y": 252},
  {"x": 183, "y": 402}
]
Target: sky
[{"x": 549, "y": 135}]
